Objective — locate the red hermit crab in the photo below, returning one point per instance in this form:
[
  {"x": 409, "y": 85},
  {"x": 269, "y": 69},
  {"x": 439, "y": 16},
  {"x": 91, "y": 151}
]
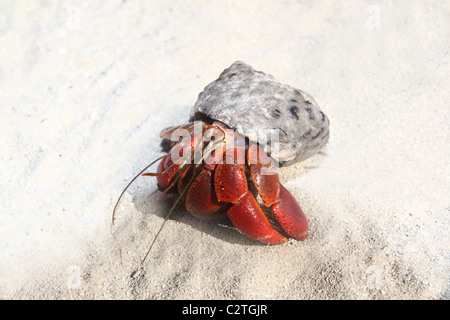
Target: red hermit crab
[{"x": 220, "y": 166}]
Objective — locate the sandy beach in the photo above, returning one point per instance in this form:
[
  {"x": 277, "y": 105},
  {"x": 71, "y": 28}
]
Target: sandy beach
[{"x": 86, "y": 87}]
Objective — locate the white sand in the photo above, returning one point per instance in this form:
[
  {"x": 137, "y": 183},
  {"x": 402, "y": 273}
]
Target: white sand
[{"x": 85, "y": 88}]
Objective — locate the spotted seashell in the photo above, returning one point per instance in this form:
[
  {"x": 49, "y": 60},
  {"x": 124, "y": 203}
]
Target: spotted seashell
[{"x": 252, "y": 102}]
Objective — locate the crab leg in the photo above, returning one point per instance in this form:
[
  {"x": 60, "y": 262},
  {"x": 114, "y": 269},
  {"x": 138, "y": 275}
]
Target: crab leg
[
  {"x": 274, "y": 195},
  {"x": 249, "y": 218},
  {"x": 165, "y": 172},
  {"x": 245, "y": 213},
  {"x": 200, "y": 199}
]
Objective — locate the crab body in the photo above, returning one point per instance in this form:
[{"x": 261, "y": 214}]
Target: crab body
[{"x": 234, "y": 177}]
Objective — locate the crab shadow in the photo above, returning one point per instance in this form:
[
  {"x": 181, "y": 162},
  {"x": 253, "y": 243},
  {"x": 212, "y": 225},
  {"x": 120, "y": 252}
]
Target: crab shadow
[{"x": 223, "y": 230}]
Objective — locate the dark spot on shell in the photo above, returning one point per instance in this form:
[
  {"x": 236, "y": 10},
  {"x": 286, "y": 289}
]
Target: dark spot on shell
[
  {"x": 284, "y": 132},
  {"x": 307, "y": 133},
  {"x": 276, "y": 113},
  {"x": 294, "y": 110},
  {"x": 235, "y": 95},
  {"x": 310, "y": 113},
  {"x": 317, "y": 134},
  {"x": 323, "y": 116},
  {"x": 294, "y": 100}
]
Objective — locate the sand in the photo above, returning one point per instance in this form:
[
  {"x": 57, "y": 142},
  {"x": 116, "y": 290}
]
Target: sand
[{"x": 85, "y": 88}]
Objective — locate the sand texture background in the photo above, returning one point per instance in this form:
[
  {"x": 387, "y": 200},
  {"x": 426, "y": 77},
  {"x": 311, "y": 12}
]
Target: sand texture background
[{"x": 86, "y": 86}]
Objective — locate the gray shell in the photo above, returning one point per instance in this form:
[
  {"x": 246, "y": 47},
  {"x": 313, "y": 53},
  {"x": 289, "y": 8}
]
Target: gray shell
[{"x": 250, "y": 101}]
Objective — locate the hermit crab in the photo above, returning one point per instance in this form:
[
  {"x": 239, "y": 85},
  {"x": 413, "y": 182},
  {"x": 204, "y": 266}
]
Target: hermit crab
[{"x": 223, "y": 161}]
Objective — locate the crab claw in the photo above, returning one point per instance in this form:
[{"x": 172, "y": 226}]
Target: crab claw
[
  {"x": 287, "y": 211},
  {"x": 290, "y": 215},
  {"x": 246, "y": 214},
  {"x": 250, "y": 219}
]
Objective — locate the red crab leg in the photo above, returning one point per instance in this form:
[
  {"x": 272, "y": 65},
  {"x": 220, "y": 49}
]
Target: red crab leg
[
  {"x": 230, "y": 182},
  {"x": 184, "y": 179},
  {"x": 286, "y": 209},
  {"x": 246, "y": 214},
  {"x": 200, "y": 199},
  {"x": 168, "y": 170},
  {"x": 181, "y": 153},
  {"x": 265, "y": 179},
  {"x": 167, "y": 133}
]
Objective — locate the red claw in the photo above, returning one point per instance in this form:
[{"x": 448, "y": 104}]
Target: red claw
[
  {"x": 290, "y": 215},
  {"x": 250, "y": 219},
  {"x": 287, "y": 211}
]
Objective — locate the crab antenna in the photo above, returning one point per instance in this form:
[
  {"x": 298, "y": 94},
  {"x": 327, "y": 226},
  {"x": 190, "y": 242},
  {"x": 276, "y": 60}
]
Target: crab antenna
[
  {"x": 129, "y": 184},
  {"x": 165, "y": 219},
  {"x": 157, "y": 174},
  {"x": 170, "y": 212},
  {"x": 169, "y": 187},
  {"x": 178, "y": 199}
]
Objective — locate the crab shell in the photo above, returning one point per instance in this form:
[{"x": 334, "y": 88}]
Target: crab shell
[{"x": 252, "y": 102}]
